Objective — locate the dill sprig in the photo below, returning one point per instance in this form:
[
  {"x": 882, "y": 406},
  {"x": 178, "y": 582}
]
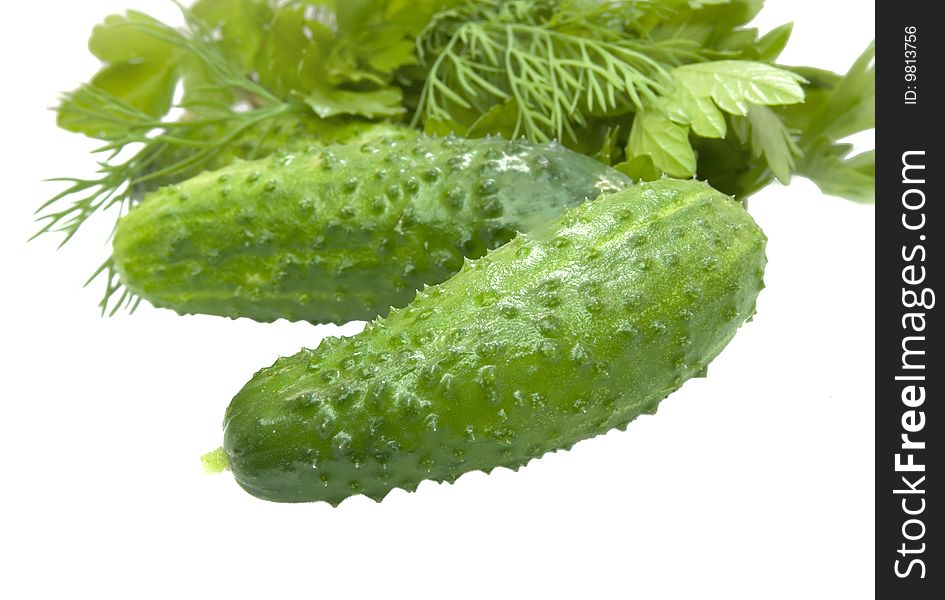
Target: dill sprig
[
  {"x": 557, "y": 63},
  {"x": 118, "y": 181}
]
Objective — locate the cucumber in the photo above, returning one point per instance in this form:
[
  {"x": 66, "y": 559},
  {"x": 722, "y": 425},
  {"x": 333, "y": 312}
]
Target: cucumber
[
  {"x": 553, "y": 338},
  {"x": 345, "y": 232}
]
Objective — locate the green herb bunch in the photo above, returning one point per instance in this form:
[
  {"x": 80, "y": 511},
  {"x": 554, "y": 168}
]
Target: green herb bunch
[{"x": 677, "y": 87}]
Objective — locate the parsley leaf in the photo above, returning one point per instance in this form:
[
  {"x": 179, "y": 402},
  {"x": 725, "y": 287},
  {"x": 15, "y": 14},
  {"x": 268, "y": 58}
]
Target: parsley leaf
[
  {"x": 772, "y": 140},
  {"x": 851, "y": 107},
  {"x": 707, "y": 22},
  {"x": 666, "y": 143},
  {"x": 140, "y": 72},
  {"x": 328, "y": 102},
  {"x": 702, "y": 94},
  {"x": 240, "y": 24},
  {"x": 281, "y": 62},
  {"x": 640, "y": 168},
  {"x": 770, "y": 46},
  {"x": 838, "y": 107},
  {"x": 734, "y": 85},
  {"x": 698, "y": 111},
  {"x": 836, "y": 174}
]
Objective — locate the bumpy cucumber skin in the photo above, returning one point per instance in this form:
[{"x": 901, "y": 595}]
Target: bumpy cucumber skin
[
  {"x": 345, "y": 232},
  {"x": 551, "y": 339},
  {"x": 289, "y": 132}
]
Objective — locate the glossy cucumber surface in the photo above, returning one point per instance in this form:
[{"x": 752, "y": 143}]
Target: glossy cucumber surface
[
  {"x": 555, "y": 337},
  {"x": 345, "y": 232}
]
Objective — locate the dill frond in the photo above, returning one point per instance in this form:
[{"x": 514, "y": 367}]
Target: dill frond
[{"x": 559, "y": 63}]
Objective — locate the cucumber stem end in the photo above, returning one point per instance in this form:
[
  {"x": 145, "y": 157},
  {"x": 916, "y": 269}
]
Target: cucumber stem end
[{"x": 215, "y": 461}]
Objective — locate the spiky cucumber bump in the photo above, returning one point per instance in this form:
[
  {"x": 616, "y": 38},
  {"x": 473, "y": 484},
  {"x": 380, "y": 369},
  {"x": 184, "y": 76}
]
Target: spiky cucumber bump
[
  {"x": 551, "y": 339},
  {"x": 345, "y": 232}
]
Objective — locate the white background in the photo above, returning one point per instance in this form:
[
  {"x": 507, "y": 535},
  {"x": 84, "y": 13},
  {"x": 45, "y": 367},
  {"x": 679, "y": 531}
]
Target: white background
[{"x": 754, "y": 483}]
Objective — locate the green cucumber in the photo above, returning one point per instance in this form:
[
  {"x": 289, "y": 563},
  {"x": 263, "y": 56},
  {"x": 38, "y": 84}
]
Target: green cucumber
[
  {"x": 345, "y": 232},
  {"x": 553, "y": 338}
]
